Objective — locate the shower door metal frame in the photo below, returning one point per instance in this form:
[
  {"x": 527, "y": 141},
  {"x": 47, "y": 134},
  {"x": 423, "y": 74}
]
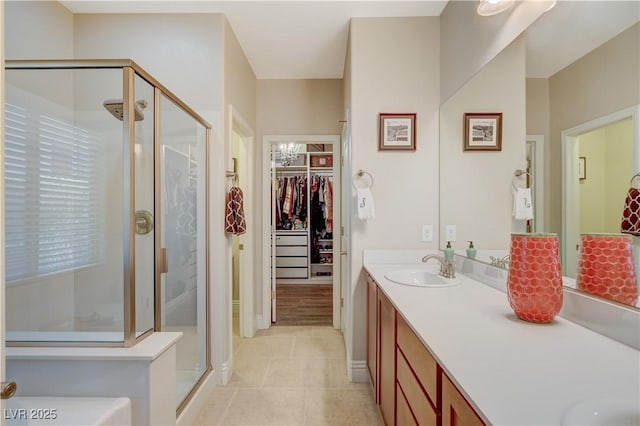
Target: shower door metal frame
[{"x": 129, "y": 70}]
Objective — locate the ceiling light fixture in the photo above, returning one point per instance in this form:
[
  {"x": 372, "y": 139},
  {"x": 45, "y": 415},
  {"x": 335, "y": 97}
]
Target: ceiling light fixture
[{"x": 493, "y": 7}]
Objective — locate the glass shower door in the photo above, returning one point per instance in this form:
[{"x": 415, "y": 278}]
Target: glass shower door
[{"x": 183, "y": 293}]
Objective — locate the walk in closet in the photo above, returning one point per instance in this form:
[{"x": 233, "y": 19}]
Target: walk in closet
[{"x": 302, "y": 215}]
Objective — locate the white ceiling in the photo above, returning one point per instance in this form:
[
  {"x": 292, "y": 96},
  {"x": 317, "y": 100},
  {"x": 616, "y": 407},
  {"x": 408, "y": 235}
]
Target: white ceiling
[
  {"x": 573, "y": 28},
  {"x": 281, "y": 39},
  {"x": 308, "y": 38}
]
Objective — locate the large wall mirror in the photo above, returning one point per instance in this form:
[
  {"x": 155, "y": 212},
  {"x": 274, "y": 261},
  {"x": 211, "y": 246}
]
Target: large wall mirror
[{"x": 569, "y": 91}]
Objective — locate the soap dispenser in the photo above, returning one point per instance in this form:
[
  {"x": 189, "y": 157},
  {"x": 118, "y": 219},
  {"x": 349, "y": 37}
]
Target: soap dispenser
[
  {"x": 471, "y": 250},
  {"x": 448, "y": 252}
]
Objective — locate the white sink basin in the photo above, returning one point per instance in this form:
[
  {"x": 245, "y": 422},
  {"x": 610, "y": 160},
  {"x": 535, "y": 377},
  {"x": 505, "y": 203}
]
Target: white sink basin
[
  {"x": 603, "y": 411},
  {"x": 420, "y": 278}
]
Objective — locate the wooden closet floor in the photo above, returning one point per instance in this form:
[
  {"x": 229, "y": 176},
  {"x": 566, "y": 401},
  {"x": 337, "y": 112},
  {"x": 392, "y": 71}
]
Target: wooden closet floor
[{"x": 304, "y": 304}]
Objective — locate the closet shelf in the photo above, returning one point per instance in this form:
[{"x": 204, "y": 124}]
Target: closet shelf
[
  {"x": 322, "y": 264},
  {"x": 325, "y": 251}
]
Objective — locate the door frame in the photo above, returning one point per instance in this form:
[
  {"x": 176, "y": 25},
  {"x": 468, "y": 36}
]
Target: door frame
[
  {"x": 248, "y": 325},
  {"x": 570, "y": 185},
  {"x": 538, "y": 181},
  {"x": 267, "y": 142}
]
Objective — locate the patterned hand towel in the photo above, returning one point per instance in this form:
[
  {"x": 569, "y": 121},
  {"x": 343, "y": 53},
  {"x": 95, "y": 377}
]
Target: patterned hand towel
[
  {"x": 234, "y": 215},
  {"x": 631, "y": 214}
]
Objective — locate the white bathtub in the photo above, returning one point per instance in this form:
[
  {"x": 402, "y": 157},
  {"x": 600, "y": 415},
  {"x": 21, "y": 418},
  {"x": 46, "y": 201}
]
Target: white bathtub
[{"x": 68, "y": 411}]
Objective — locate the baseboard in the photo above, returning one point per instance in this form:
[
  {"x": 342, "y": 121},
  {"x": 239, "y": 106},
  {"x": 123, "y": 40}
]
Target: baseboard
[
  {"x": 357, "y": 371},
  {"x": 225, "y": 372},
  {"x": 198, "y": 401},
  {"x": 259, "y": 324}
]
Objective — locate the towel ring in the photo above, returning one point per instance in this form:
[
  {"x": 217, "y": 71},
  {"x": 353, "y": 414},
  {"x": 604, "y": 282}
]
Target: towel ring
[
  {"x": 519, "y": 173},
  {"x": 359, "y": 174},
  {"x": 637, "y": 175}
]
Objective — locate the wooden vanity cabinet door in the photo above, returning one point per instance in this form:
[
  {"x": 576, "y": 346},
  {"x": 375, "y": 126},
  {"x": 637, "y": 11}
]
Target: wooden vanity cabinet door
[
  {"x": 409, "y": 391},
  {"x": 456, "y": 411},
  {"x": 404, "y": 417},
  {"x": 424, "y": 366},
  {"x": 372, "y": 335},
  {"x": 387, "y": 359}
]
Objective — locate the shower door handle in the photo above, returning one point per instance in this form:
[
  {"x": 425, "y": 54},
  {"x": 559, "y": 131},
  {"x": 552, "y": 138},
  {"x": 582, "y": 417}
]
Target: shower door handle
[
  {"x": 163, "y": 261},
  {"x": 8, "y": 390}
]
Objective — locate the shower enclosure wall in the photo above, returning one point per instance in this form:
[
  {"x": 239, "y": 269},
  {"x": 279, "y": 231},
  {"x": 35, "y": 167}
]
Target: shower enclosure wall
[{"x": 106, "y": 207}]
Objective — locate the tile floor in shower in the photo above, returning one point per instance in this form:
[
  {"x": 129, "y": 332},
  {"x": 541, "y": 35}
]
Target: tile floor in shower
[{"x": 290, "y": 375}]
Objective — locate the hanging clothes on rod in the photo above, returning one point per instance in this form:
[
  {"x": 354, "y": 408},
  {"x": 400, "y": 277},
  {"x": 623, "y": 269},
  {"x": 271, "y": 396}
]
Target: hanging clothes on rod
[
  {"x": 321, "y": 212},
  {"x": 291, "y": 201}
]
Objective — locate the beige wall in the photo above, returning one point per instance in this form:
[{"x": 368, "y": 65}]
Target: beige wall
[
  {"x": 475, "y": 189},
  {"x": 240, "y": 82},
  {"x": 538, "y": 122},
  {"x": 299, "y": 106},
  {"x": 592, "y": 190},
  {"x": 38, "y": 30},
  {"x": 291, "y": 107},
  {"x": 609, "y": 158},
  {"x": 171, "y": 47},
  {"x": 619, "y": 140},
  {"x": 602, "y": 82},
  {"x": 470, "y": 41},
  {"x": 393, "y": 68}
]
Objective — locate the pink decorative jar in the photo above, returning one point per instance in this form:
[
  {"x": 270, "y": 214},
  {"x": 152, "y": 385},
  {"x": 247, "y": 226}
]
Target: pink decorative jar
[
  {"x": 606, "y": 267},
  {"x": 534, "y": 286}
]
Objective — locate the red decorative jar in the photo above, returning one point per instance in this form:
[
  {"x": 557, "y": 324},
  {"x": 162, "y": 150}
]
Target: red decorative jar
[
  {"x": 534, "y": 286},
  {"x": 606, "y": 267}
]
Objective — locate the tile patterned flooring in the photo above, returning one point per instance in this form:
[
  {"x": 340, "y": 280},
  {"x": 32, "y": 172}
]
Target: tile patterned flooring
[{"x": 290, "y": 375}]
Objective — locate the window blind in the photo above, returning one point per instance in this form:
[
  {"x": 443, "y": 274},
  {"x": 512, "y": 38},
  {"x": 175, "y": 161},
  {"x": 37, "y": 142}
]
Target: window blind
[{"x": 54, "y": 187}]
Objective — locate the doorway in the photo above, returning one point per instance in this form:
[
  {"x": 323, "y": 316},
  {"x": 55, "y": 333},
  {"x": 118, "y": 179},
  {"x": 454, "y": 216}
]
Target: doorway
[
  {"x": 302, "y": 223},
  {"x": 242, "y": 246},
  {"x": 599, "y": 159}
]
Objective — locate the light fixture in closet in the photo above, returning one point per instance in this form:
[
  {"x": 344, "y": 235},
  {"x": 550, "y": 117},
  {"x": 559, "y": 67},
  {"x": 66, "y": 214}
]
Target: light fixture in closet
[
  {"x": 493, "y": 7},
  {"x": 289, "y": 152}
]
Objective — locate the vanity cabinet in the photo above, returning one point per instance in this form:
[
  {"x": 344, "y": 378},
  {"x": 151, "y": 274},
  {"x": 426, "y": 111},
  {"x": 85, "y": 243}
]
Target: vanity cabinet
[
  {"x": 409, "y": 385},
  {"x": 372, "y": 335},
  {"x": 381, "y": 350},
  {"x": 455, "y": 409},
  {"x": 417, "y": 375}
]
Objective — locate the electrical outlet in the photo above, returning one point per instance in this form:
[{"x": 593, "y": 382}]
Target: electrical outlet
[
  {"x": 450, "y": 232},
  {"x": 427, "y": 233}
]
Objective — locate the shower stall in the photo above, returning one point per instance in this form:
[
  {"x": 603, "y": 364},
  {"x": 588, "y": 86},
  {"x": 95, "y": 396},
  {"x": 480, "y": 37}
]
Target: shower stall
[{"x": 105, "y": 211}]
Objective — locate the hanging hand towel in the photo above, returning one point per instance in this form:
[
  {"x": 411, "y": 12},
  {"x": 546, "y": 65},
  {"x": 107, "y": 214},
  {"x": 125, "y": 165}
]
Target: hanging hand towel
[
  {"x": 234, "y": 215},
  {"x": 631, "y": 214},
  {"x": 366, "y": 209},
  {"x": 522, "y": 204}
]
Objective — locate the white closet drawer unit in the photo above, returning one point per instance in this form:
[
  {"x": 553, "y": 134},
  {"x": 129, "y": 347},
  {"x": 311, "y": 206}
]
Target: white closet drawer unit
[
  {"x": 292, "y": 251},
  {"x": 291, "y": 240},
  {"x": 292, "y": 272},
  {"x": 291, "y": 262}
]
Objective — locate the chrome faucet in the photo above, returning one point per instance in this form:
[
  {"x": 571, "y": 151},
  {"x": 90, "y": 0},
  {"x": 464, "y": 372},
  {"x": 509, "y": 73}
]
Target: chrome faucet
[
  {"x": 447, "y": 267},
  {"x": 500, "y": 263}
]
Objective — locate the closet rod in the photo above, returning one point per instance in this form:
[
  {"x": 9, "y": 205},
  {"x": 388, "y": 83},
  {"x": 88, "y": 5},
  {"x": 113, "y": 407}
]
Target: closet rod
[{"x": 291, "y": 172}]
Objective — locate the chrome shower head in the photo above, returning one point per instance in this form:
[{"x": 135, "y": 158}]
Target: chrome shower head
[{"x": 116, "y": 108}]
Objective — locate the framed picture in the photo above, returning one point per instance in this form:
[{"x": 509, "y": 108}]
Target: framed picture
[
  {"x": 482, "y": 131},
  {"x": 582, "y": 168},
  {"x": 397, "y": 131}
]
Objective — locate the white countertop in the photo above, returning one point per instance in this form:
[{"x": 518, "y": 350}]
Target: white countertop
[{"x": 512, "y": 372}]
